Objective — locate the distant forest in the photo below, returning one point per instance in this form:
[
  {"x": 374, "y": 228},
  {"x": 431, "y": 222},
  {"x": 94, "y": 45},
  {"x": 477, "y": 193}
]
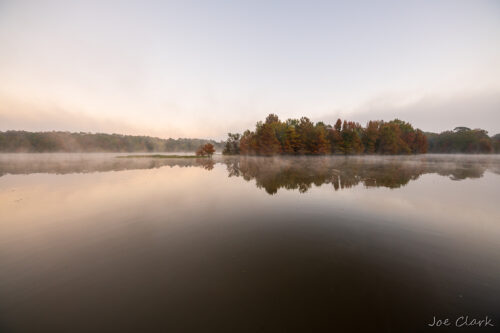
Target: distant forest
[
  {"x": 304, "y": 137},
  {"x": 273, "y": 137},
  {"x": 22, "y": 141},
  {"x": 463, "y": 140}
]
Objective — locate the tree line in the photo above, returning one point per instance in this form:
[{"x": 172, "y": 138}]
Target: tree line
[
  {"x": 23, "y": 141},
  {"x": 464, "y": 140},
  {"x": 272, "y": 137},
  {"x": 304, "y": 137}
]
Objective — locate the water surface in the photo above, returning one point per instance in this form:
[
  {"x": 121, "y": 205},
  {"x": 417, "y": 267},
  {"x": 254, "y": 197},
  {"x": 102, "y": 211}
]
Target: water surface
[{"x": 311, "y": 244}]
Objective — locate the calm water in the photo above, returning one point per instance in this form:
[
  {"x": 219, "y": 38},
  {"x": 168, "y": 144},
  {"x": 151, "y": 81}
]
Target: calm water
[{"x": 94, "y": 243}]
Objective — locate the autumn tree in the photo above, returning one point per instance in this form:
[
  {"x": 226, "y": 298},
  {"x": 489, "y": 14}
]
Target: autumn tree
[
  {"x": 351, "y": 138},
  {"x": 371, "y": 136},
  {"x": 320, "y": 143},
  {"x": 305, "y": 130},
  {"x": 391, "y": 141},
  {"x": 293, "y": 144},
  {"x": 334, "y": 135},
  {"x": 267, "y": 143},
  {"x": 248, "y": 143},
  {"x": 420, "y": 145},
  {"x": 205, "y": 150}
]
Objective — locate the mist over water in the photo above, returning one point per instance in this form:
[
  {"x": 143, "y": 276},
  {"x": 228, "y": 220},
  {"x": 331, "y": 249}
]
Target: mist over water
[{"x": 91, "y": 242}]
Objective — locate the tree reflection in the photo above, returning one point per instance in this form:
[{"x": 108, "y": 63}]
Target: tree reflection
[
  {"x": 301, "y": 173},
  {"x": 205, "y": 163},
  {"x": 87, "y": 163},
  {"x": 274, "y": 173}
]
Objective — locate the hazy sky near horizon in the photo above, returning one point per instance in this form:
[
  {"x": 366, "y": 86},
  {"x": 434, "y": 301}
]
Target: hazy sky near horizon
[{"x": 203, "y": 68}]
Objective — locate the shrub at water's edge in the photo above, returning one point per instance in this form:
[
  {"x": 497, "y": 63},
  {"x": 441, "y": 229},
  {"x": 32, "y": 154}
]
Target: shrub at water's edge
[{"x": 205, "y": 150}]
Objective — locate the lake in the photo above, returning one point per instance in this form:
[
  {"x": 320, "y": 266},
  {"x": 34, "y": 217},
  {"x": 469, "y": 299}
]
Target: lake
[{"x": 95, "y": 243}]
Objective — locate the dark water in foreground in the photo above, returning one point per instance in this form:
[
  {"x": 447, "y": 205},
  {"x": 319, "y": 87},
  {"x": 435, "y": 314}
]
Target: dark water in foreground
[{"x": 93, "y": 243}]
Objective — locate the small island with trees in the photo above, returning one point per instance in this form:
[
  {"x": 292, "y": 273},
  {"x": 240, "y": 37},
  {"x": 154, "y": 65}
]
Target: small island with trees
[{"x": 304, "y": 137}]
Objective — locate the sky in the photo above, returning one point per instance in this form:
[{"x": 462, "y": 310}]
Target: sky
[{"x": 205, "y": 68}]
